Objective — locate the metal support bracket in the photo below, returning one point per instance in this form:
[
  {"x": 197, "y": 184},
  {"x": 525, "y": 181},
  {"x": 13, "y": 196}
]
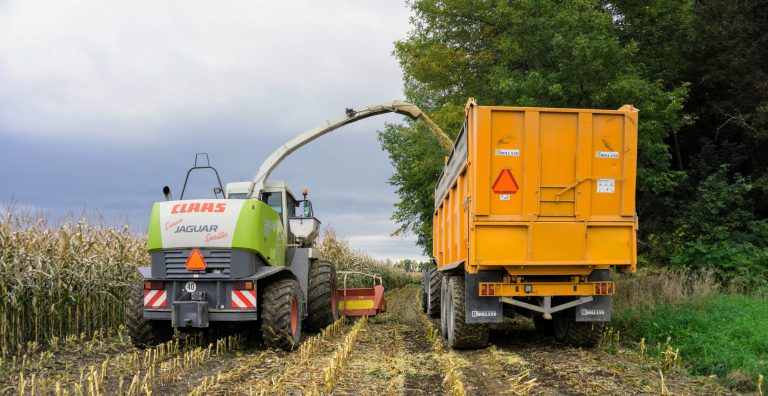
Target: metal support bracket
[{"x": 547, "y": 309}]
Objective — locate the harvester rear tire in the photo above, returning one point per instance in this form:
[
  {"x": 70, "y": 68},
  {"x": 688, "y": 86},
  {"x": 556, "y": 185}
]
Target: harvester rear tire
[
  {"x": 323, "y": 302},
  {"x": 433, "y": 307},
  {"x": 568, "y": 331},
  {"x": 281, "y": 313},
  {"x": 143, "y": 332},
  {"x": 462, "y": 335}
]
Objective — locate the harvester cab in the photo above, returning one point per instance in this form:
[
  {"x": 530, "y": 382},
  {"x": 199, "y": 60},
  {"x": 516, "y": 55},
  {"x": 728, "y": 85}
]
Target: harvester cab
[
  {"x": 303, "y": 227},
  {"x": 244, "y": 258}
]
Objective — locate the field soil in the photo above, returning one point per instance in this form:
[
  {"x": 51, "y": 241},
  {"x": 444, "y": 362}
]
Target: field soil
[{"x": 398, "y": 352}]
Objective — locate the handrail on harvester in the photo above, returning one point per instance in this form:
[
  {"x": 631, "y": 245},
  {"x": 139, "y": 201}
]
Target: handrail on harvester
[{"x": 277, "y": 156}]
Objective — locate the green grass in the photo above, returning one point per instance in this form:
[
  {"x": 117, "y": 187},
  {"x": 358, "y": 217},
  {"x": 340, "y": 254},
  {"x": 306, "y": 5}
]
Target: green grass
[{"x": 726, "y": 335}]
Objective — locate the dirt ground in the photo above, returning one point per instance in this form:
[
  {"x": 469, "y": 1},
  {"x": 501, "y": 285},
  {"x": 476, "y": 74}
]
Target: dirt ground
[{"x": 398, "y": 352}]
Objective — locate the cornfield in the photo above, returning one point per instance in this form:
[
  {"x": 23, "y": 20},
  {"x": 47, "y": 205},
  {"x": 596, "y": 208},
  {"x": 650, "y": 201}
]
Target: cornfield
[
  {"x": 67, "y": 279},
  {"x": 73, "y": 278},
  {"x": 336, "y": 250}
]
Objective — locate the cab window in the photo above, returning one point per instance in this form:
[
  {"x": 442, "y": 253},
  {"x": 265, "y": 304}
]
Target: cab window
[
  {"x": 291, "y": 204},
  {"x": 275, "y": 201}
]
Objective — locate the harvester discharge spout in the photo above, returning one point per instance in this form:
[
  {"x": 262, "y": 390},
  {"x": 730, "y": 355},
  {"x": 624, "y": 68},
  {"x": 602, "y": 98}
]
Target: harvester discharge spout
[{"x": 351, "y": 115}]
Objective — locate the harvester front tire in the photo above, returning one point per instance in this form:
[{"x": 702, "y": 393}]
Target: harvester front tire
[
  {"x": 568, "y": 331},
  {"x": 323, "y": 304},
  {"x": 281, "y": 314},
  {"x": 433, "y": 303},
  {"x": 462, "y": 335},
  {"x": 143, "y": 332}
]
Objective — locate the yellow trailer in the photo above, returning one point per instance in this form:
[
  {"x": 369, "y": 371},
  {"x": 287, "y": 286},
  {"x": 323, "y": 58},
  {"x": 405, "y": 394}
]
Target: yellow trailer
[{"x": 533, "y": 208}]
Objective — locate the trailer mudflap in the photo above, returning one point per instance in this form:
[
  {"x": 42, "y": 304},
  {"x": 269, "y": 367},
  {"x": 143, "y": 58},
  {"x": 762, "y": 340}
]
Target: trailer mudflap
[
  {"x": 189, "y": 314},
  {"x": 597, "y": 310},
  {"x": 480, "y": 309}
]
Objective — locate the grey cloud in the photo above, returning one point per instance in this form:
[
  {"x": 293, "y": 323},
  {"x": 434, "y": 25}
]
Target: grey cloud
[{"x": 102, "y": 103}]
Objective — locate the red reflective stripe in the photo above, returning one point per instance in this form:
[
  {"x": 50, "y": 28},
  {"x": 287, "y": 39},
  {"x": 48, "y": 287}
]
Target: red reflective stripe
[
  {"x": 245, "y": 298},
  {"x": 241, "y": 300},
  {"x": 153, "y": 301},
  {"x": 164, "y": 297}
]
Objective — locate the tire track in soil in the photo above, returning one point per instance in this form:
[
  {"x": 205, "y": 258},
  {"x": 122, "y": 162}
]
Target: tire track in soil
[
  {"x": 186, "y": 380},
  {"x": 564, "y": 370},
  {"x": 178, "y": 380},
  {"x": 483, "y": 375},
  {"x": 394, "y": 356},
  {"x": 275, "y": 372}
]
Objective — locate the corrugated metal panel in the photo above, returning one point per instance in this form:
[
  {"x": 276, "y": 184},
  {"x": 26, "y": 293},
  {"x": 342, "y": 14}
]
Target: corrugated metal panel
[{"x": 218, "y": 262}]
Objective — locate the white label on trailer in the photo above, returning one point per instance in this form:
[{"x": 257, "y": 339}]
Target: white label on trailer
[
  {"x": 606, "y": 154},
  {"x": 606, "y": 185},
  {"x": 508, "y": 152},
  {"x": 482, "y": 314},
  {"x": 505, "y": 197}
]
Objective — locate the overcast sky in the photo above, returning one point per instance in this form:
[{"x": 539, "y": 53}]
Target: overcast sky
[{"x": 103, "y": 103}]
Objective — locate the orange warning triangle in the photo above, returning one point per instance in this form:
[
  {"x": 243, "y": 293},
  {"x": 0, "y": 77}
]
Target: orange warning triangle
[
  {"x": 505, "y": 183},
  {"x": 196, "y": 262}
]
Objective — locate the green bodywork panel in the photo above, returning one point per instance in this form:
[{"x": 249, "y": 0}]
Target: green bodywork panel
[
  {"x": 256, "y": 227},
  {"x": 260, "y": 230},
  {"x": 154, "y": 238}
]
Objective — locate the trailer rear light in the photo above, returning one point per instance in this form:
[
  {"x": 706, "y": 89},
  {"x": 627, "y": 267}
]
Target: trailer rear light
[
  {"x": 491, "y": 290},
  {"x": 483, "y": 290},
  {"x": 196, "y": 262},
  {"x": 244, "y": 285},
  {"x": 604, "y": 288},
  {"x": 153, "y": 285}
]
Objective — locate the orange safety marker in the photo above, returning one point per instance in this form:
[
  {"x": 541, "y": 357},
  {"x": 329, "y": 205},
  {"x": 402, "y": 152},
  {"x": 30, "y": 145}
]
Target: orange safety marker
[
  {"x": 505, "y": 183},
  {"x": 196, "y": 262}
]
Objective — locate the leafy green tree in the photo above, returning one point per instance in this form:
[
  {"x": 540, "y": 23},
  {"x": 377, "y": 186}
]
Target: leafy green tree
[
  {"x": 719, "y": 48},
  {"x": 522, "y": 53}
]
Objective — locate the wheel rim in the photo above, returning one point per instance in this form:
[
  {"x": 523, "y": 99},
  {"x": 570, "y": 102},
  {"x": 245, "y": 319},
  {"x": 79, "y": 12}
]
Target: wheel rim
[
  {"x": 294, "y": 316},
  {"x": 449, "y": 316}
]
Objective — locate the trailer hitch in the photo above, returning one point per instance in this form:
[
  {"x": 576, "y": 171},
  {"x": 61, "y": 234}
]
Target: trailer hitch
[{"x": 547, "y": 309}]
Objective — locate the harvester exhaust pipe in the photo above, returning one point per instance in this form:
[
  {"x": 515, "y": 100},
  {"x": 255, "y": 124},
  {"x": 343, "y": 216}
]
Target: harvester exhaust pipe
[{"x": 167, "y": 193}]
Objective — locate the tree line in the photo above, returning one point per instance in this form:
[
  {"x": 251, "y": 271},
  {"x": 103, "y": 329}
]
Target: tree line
[{"x": 697, "y": 70}]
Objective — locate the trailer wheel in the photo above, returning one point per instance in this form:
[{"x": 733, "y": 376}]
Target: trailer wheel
[
  {"x": 543, "y": 326},
  {"x": 423, "y": 294},
  {"x": 144, "y": 332},
  {"x": 323, "y": 305},
  {"x": 567, "y": 330},
  {"x": 433, "y": 308},
  {"x": 281, "y": 314},
  {"x": 462, "y": 335},
  {"x": 444, "y": 306}
]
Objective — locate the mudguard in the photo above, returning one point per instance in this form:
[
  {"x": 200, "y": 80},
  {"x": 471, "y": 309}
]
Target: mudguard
[{"x": 482, "y": 309}]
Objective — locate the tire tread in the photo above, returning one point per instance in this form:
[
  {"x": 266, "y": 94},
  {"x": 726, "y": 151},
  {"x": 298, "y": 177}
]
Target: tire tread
[{"x": 465, "y": 335}]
